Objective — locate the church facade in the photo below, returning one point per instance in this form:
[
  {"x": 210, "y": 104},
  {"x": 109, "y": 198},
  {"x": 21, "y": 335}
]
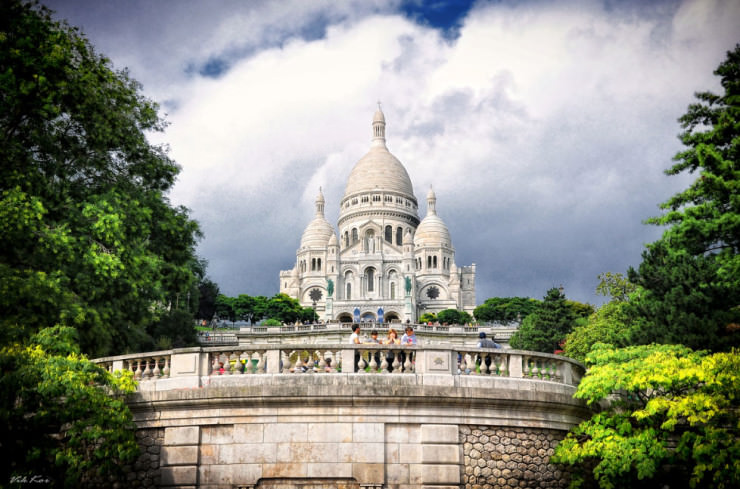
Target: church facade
[{"x": 385, "y": 264}]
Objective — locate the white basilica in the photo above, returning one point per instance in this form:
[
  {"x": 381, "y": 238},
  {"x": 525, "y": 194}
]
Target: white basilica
[{"x": 385, "y": 265}]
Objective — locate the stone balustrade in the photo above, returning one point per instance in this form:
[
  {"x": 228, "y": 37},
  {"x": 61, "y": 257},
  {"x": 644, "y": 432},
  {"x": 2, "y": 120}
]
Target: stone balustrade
[{"x": 198, "y": 366}]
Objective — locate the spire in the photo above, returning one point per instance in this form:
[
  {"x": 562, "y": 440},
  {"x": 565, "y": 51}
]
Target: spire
[
  {"x": 378, "y": 127},
  {"x": 320, "y": 203},
  {"x": 431, "y": 202}
]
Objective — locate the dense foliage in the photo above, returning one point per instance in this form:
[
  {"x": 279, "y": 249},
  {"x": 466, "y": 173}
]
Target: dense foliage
[
  {"x": 95, "y": 259},
  {"x": 505, "y": 309},
  {"x": 91, "y": 239},
  {"x": 610, "y": 324},
  {"x": 453, "y": 316},
  {"x": 670, "y": 417},
  {"x": 280, "y": 307},
  {"x": 545, "y": 329},
  {"x": 690, "y": 278},
  {"x": 62, "y": 418}
]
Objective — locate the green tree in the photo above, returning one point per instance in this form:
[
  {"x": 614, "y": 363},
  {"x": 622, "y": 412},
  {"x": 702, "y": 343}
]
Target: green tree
[
  {"x": 505, "y": 309},
  {"x": 208, "y": 291},
  {"x": 244, "y": 307},
  {"x": 91, "y": 239},
  {"x": 453, "y": 316},
  {"x": 61, "y": 416},
  {"x": 428, "y": 317},
  {"x": 690, "y": 278},
  {"x": 284, "y": 308},
  {"x": 580, "y": 309},
  {"x": 669, "y": 418},
  {"x": 226, "y": 308},
  {"x": 545, "y": 328},
  {"x": 615, "y": 286},
  {"x": 610, "y": 324}
]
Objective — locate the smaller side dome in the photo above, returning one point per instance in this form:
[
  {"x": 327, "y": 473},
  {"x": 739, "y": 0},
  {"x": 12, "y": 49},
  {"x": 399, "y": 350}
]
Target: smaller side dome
[
  {"x": 333, "y": 241},
  {"x": 319, "y": 231},
  {"x": 408, "y": 238},
  {"x": 432, "y": 230}
]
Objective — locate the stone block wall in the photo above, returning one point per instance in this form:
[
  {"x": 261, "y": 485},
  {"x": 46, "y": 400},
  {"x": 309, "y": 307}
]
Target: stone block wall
[{"x": 510, "y": 458}]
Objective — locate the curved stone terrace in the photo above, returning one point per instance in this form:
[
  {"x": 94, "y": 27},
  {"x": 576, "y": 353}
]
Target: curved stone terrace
[{"x": 358, "y": 416}]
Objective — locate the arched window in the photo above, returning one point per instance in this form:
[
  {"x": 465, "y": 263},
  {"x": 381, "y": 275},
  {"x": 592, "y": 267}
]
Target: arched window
[
  {"x": 393, "y": 290},
  {"x": 318, "y": 264},
  {"x": 370, "y": 273},
  {"x": 313, "y": 264},
  {"x": 434, "y": 261},
  {"x": 355, "y": 236},
  {"x": 348, "y": 287},
  {"x": 429, "y": 262},
  {"x": 399, "y": 236},
  {"x": 346, "y": 239},
  {"x": 389, "y": 234}
]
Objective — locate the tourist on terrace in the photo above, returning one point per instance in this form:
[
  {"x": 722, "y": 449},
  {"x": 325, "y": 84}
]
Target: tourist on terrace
[
  {"x": 355, "y": 336},
  {"x": 354, "y": 339},
  {"x": 409, "y": 337},
  {"x": 484, "y": 342},
  {"x": 374, "y": 340},
  {"x": 392, "y": 339}
]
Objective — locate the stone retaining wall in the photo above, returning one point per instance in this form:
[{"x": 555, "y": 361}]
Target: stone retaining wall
[
  {"x": 510, "y": 458},
  {"x": 358, "y": 431}
]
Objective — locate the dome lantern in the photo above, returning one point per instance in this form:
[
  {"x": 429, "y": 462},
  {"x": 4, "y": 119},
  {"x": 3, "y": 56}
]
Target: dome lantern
[{"x": 378, "y": 127}]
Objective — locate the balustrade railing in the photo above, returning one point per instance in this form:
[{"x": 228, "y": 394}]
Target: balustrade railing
[
  {"x": 192, "y": 366},
  {"x": 145, "y": 366}
]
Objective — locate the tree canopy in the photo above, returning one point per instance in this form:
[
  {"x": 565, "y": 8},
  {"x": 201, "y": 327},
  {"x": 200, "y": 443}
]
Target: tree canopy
[
  {"x": 546, "y": 328},
  {"x": 62, "y": 417},
  {"x": 669, "y": 417},
  {"x": 690, "y": 278},
  {"x": 610, "y": 324},
  {"x": 92, "y": 241},
  {"x": 280, "y": 307},
  {"x": 505, "y": 309},
  {"x": 453, "y": 316}
]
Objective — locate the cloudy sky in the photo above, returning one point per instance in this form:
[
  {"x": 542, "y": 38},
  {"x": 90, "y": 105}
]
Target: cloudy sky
[{"x": 544, "y": 127}]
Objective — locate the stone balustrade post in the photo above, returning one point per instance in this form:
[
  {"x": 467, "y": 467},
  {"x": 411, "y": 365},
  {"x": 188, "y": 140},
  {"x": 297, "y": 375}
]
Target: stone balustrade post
[
  {"x": 515, "y": 366},
  {"x": 567, "y": 373},
  {"x": 272, "y": 361},
  {"x": 431, "y": 361},
  {"x": 348, "y": 360},
  {"x": 118, "y": 365}
]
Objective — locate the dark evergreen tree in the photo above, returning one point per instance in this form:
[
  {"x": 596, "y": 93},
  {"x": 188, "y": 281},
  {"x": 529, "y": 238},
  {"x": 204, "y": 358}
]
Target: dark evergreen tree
[
  {"x": 547, "y": 326},
  {"x": 690, "y": 278}
]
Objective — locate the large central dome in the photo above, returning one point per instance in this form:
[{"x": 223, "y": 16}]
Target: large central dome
[{"x": 379, "y": 169}]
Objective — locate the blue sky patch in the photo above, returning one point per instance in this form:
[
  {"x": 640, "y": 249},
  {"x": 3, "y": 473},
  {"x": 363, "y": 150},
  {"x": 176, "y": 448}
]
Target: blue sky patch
[{"x": 445, "y": 15}]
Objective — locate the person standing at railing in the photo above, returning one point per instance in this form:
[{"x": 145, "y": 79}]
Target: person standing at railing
[
  {"x": 408, "y": 339},
  {"x": 354, "y": 339},
  {"x": 374, "y": 341},
  {"x": 392, "y": 339},
  {"x": 484, "y": 342}
]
